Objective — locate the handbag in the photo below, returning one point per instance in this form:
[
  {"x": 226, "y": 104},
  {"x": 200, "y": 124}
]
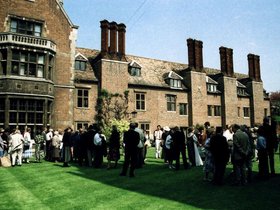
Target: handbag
[
  {"x": 5, "y": 161},
  {"x": 140, "y": 144}
]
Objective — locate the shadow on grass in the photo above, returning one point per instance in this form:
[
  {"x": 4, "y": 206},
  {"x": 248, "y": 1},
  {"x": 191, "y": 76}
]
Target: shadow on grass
[{"x": 188, "y": 187}]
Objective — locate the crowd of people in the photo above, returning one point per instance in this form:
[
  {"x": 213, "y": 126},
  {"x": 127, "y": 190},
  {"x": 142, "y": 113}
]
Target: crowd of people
[{"x": 212, "y": 148}]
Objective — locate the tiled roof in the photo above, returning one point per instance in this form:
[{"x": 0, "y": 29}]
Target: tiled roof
[
  {"x": 153, "y": 71},
  {"x": 87, "y": 75}
]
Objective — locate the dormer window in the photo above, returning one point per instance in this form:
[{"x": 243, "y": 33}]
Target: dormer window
[
  {"x": 26, "y": 27},
  {"x": 241, "y": 89},
  {"x": 80, "y": 65},
  {"x": 134, "y": 69},
  {"x": 80, "y": 62},
  {"x": 173, "y": 80},
  {"x": 175, "y": 83},
  {"x": 211, "y": 88},
  {"x": 212, "y": 85}
]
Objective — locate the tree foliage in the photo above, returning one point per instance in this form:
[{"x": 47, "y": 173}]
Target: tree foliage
[{"x": 111, "y": 110}]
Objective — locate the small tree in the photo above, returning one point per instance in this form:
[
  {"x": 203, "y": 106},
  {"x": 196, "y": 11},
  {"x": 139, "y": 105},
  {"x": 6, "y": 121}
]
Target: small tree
[{"x": 112, "y": 110}]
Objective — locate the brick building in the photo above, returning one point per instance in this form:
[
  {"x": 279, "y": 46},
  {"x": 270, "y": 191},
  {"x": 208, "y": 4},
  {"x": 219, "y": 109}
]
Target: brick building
[{"x": 46, "y": 80}]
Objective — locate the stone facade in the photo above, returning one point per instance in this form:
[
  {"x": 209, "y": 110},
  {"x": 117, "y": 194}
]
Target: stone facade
[{"x": 162, "y": 92}]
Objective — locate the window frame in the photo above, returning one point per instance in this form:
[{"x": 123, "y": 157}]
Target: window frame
[
  {"x": 140, "y": 101},
  {"x": 26, "y": 27},
  {"x": 82, "y": 99},
  {"x": 183, "y": 109},
  {"x": 171, "y": 102},
  {"x": 28, "y": 64},
  {"x": 80, "y": 65},
  {"x": 246, "y": 112}
]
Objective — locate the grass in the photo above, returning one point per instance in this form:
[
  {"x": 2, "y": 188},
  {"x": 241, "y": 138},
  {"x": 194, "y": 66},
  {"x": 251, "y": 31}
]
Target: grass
[{"x": 50, "y": 186}]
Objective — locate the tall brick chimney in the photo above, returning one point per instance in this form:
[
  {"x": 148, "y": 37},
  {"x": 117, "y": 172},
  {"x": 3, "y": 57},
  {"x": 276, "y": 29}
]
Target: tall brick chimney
[
  {"x": 113, "y": 38},
  {"x": 121, "y": 39},
  {"x": 104, "y": 24},
  {"x": 226, "y": 57},
  {"x": 195, "y": 53},
  {"x": 254, "y": 67}
]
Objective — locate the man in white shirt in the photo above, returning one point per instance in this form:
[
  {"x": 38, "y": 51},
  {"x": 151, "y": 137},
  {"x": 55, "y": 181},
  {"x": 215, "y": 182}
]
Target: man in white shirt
[{"x": 158, "y": 139}]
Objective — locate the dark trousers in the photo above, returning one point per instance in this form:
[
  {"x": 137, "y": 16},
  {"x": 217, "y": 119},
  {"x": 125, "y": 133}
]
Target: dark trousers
[
  {"x": 220, "y": 168},
  {"x": 98, "y": 157},
  {"x": 184, "y": 157},
  {"x": 271, "y": 161},
  {"x": 240, "y": 171},
  {"x": 263, "y": 164},
  {"x": 140, "y": 158},
  {"x": 130, "y": 158}
]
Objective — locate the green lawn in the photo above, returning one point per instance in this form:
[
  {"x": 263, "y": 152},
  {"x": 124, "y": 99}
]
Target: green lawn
[{"x": 50, "y": 186}]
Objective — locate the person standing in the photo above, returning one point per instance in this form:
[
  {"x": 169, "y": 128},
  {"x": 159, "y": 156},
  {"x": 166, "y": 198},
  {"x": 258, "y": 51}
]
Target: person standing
[
  {"x": 39, "y": 143},
  {"x": 262, "y": 154},
  {"x": 16, "y": 140},
  {"x": 140, "y": 150},
  {"x": 179, "y": 147},
  {"x": 56, "y": 147},
  {"x": 2, "y": 143},
  {"x": 131, "y": 139},
  {"x": 158, "y": 141},
  {"x": 220, "y": 151},
  {"x": 27, "y": 145},
  {"x": 271, "y": 141},
  {"x": 114, "y": 147},
  {"x": 240, "y": 152},
  {"x": 67, "y": 146}
]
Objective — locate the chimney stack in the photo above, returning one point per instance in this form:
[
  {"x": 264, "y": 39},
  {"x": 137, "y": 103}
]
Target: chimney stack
[
  {"x": 254, "y": 67},
  {"x": 226, "y": 57},
  {"x": 195, "y": 53},
  {"x": 104, "y": 24},
  {"x": 113, "y": 38},
  {"x": 121, "y": 39}
]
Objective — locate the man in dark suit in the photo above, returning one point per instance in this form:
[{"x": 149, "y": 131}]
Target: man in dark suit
[
  {"x": 240, "y": 152},
  {"x": 179, "y": 147},
  {"x": 131, "y": 139},
  {"x": 220, "y": 151}
]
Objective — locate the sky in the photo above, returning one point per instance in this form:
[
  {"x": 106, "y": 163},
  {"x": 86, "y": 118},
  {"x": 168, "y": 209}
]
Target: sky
[{"x": 159, "y": 29}]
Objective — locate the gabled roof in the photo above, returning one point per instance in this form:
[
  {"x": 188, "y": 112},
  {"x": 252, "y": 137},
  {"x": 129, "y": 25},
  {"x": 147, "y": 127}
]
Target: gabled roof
[
  {"x": 172, "y": 75},
  {"x": 88, "y": 74},
  {"x": 80, "y": 56},
  {"x": 209, "y": 80},
  {"x": 135, "y": 64},
  {"x": 240, "y": 85},
  {"x": 65, "y": 14}
]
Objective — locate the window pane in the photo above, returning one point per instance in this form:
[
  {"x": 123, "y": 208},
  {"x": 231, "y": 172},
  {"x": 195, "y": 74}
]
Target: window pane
[
  {"x": 80, "y": 92},
  {"x": 13, "y": 104},
  {"x": 13, "y": 117},
  {"x": 13, "y": 26},
  {"x": 23, "y": 57},
  {"x": 30, "y": 117},
  {"x": 80, "y": 102},
  {"x": 15, "y": 68},
  {"x": 41, "y": 59},
  {"x": 40, "y": 71},
  {"x": 32, "y": 69},
  {"x": 23, "y": 69},
  {"x": 22, "y": 105},
  {"x": 15, "y": 55},
  {"x": 39, "y": 118},
  {"x": 21, "y": 117},
  {"x": 32, "y": 58}
]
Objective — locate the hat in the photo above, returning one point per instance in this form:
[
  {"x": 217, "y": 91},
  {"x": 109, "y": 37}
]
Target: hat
[
  {"x": 56, "y": 133},
  {"x": 2, "y": 130},
  {"x": 166, "y": 128}
]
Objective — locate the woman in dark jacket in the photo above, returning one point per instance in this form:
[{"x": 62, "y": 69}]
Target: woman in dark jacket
[
  {"x": 114, "y": 147},
  {"x": 67, "y": 146}
]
